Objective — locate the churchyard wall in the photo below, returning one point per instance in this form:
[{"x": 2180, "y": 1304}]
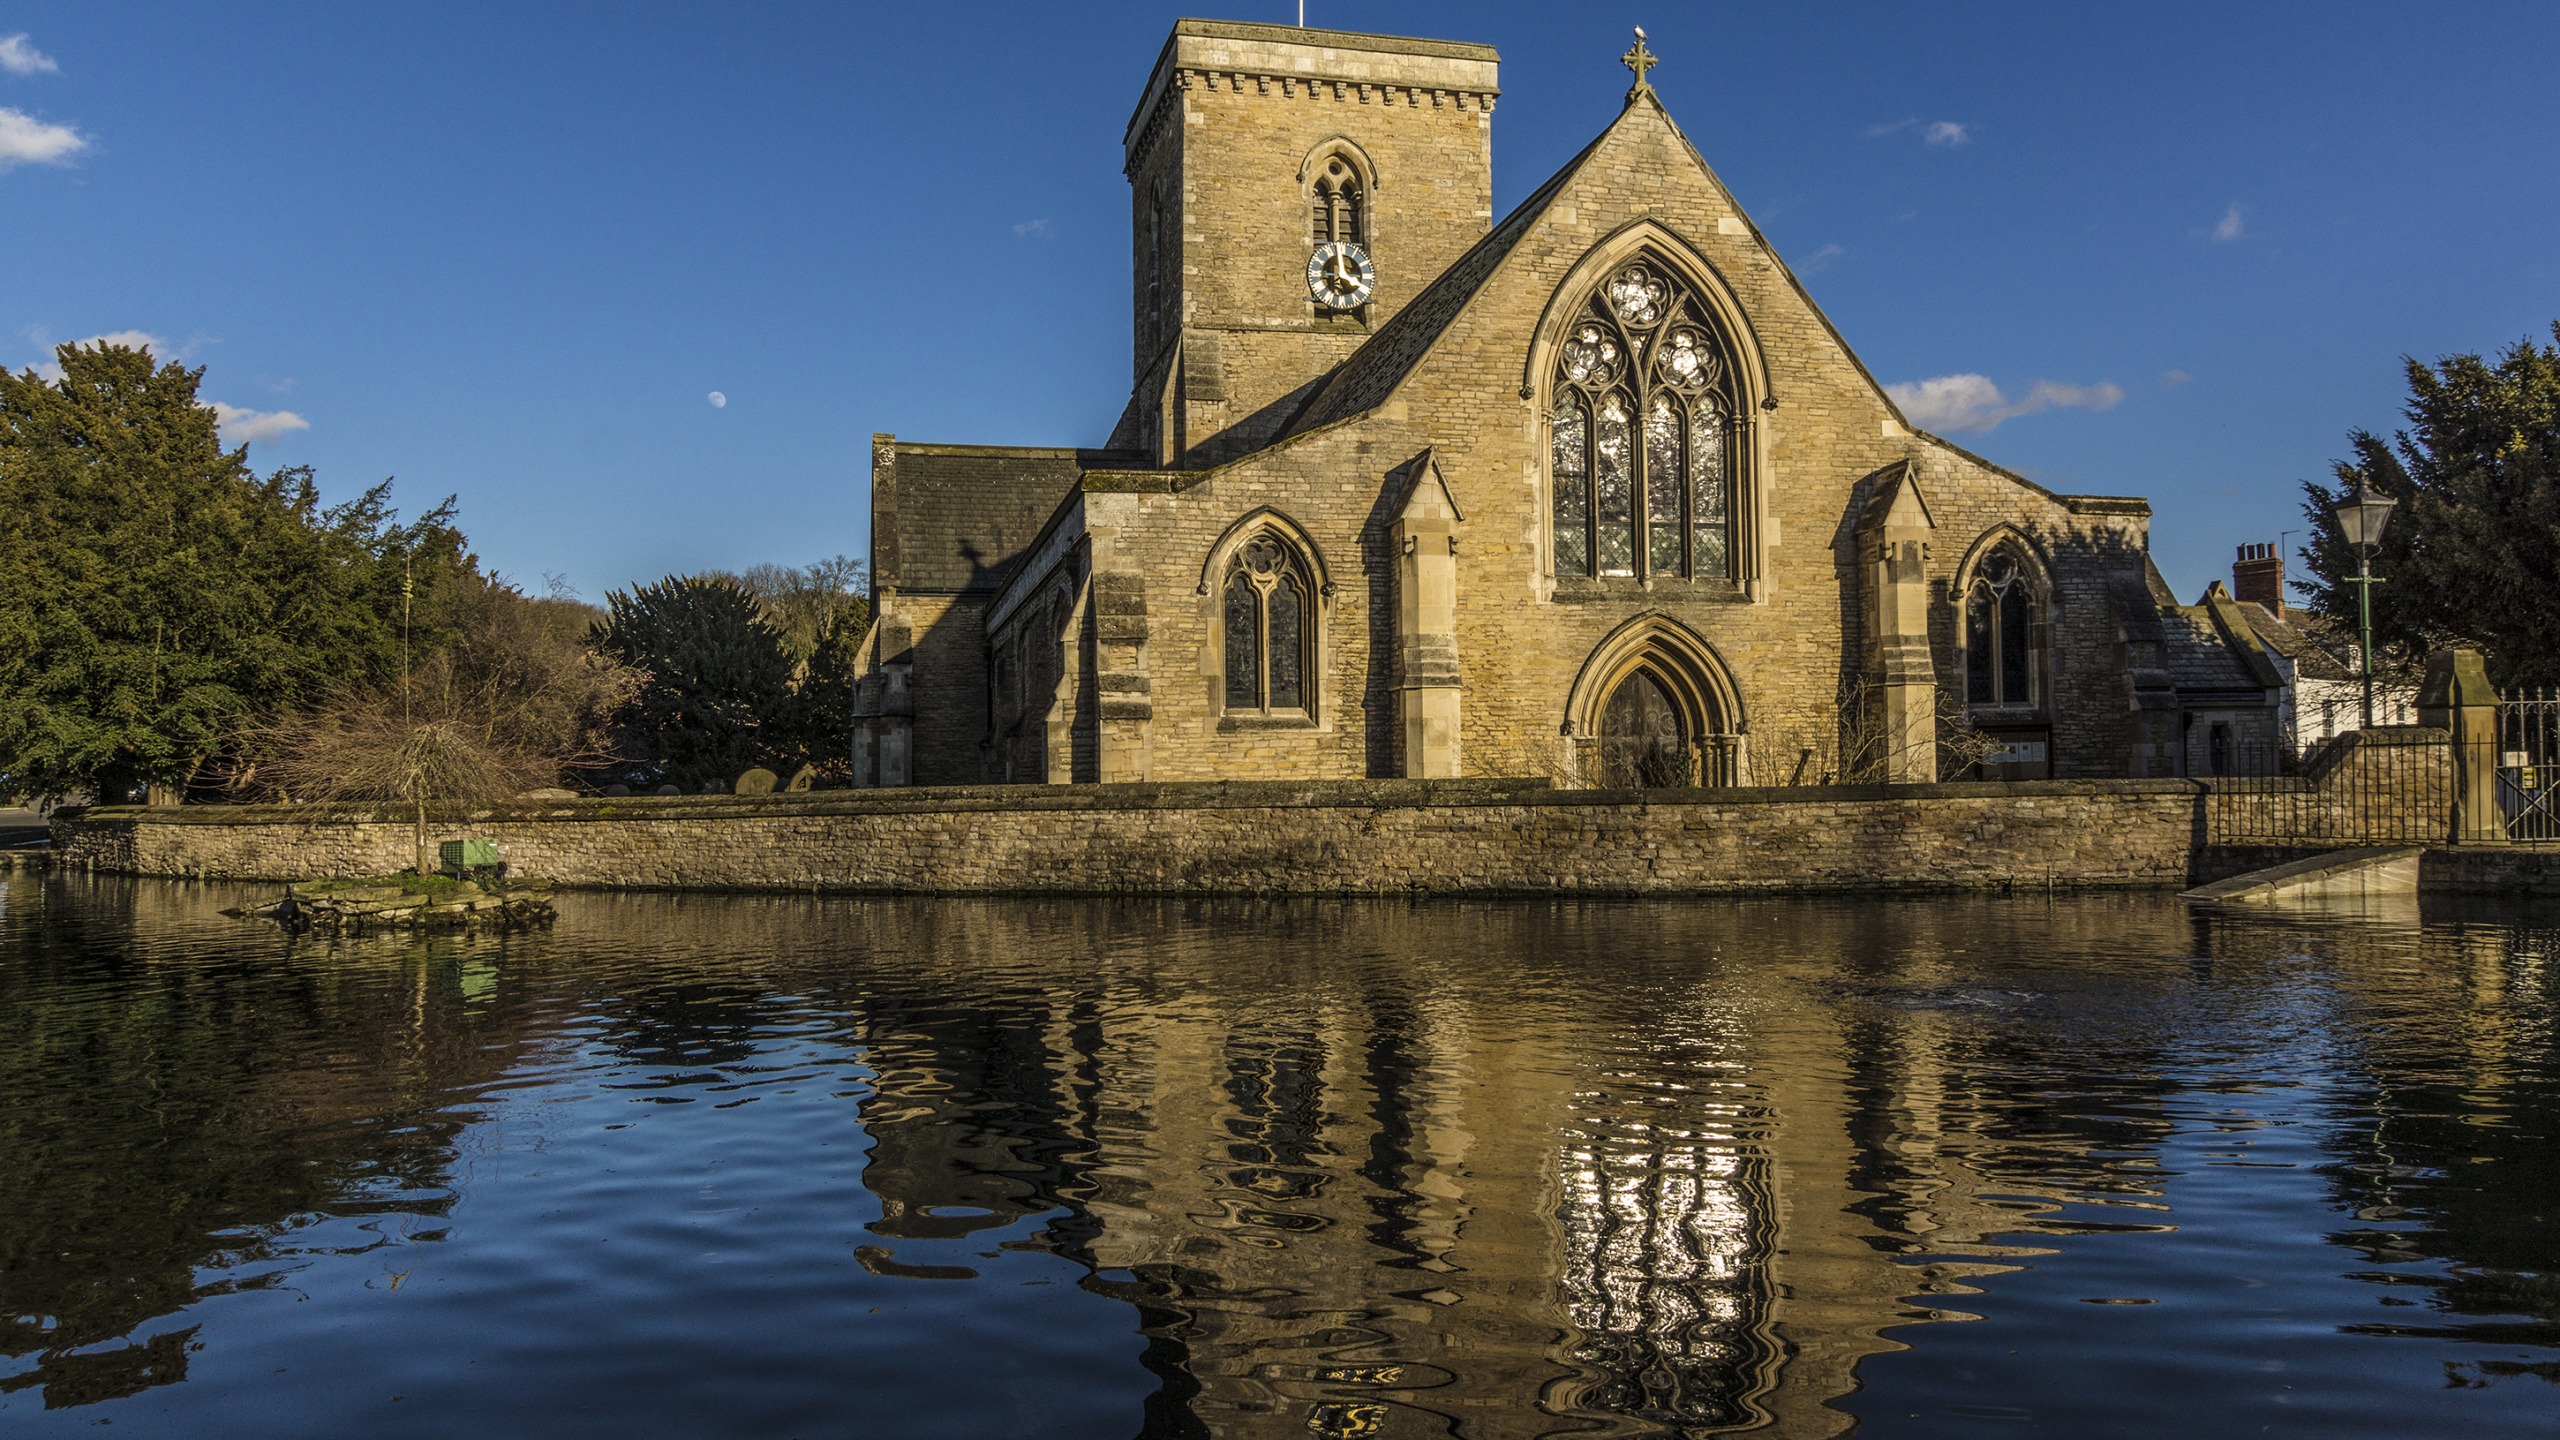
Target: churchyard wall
[{"x": 1485, "y": 837}]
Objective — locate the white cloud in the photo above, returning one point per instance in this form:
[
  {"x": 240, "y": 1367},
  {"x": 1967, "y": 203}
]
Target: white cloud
[
  {"x": 1936, "y": 132},
  {"x": 719, "y": 401},
  {"x": 2230, "y": 228},
  {"x": 49, "y": 369},
  {"x": 1038, "y": 229},
  {"x": 132, "y": 340},
  {"x": 26, "y": 140},
  {"x": 258, "y": 427},
  {"x": 1820, "y": 260},
  {"x": 2170, "y": 378},
  {"x": 20, "y": 58},
  {"x": 1972, "y": 402}
]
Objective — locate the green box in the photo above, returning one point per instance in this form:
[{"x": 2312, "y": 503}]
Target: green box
[{"x": 467, "y": 854}]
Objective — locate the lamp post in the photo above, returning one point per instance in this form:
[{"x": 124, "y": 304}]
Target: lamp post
[{"x": 2361, "y": 517}]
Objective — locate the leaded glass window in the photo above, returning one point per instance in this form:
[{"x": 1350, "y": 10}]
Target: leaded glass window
[
  {"x": 1641, "y": 434},
  {"x": 1265, "y": 609},
  {"x": 1999, "y": 628}
]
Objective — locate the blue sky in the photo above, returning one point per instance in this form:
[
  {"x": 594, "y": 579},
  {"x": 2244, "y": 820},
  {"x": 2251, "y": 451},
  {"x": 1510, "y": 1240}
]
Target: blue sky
[{"x": 508, "y": 252}]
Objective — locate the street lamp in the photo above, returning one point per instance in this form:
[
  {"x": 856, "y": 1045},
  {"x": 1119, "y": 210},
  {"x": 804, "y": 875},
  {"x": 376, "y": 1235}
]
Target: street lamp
[{"x": 2361, "y": 517}]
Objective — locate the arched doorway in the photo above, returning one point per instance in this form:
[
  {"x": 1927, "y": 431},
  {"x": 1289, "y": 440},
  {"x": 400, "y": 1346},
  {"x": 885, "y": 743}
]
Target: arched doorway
[
  {"x": 1644, "y": 743},
  {"x": 1653, "y": 707}
]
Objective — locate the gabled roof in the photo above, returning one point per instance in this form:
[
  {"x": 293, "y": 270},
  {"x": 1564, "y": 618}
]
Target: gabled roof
[
  {"x": 1371, "y": 375},
  {"x": 2309, "y": 640},
  {"x": 1899, "y": 480},
  {"x": 961, "y": 515}
]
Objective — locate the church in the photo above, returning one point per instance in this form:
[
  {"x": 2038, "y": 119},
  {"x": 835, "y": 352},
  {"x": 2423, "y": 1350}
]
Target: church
[{"x": 1589, "y": 490}]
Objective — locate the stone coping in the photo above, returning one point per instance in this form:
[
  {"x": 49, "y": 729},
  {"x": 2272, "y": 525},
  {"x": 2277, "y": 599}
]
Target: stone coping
[
  {"x": 1334, "y": 39},
  {"x": 1143, "y": 795}
]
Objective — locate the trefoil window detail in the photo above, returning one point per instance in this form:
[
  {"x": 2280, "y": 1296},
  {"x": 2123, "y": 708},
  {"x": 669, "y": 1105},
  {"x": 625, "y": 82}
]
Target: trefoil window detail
[
  {"x": 1641, "y": 434},
  {"x": 1266, "y": 604},
  {"x": 1338, "y": 212}
]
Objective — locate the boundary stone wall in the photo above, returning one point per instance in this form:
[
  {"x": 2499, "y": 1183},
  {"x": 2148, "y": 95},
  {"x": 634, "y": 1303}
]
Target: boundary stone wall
[{"x": 1480, "y": 837}]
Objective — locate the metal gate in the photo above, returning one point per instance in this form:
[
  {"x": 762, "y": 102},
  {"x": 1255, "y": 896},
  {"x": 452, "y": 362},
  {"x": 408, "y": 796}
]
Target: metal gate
[{"x": 2528, "y": 763}]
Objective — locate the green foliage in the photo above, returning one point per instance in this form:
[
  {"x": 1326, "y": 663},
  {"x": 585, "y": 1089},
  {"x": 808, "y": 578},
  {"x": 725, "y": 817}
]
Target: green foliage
[
  {"x": 803, "y": 601},
  {"x": 2472, "y": 553},
  {"x": 156, "y": 596},
  {"x": 717, "y": 696},
  {"x": 820, "y": 714}
]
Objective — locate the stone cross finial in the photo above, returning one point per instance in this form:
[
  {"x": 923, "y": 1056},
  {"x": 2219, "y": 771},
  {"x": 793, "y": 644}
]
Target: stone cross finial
[{"x": 1639, "y": 60}]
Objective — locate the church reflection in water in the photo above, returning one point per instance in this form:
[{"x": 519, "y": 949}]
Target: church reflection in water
[
  {"x": 1355, "y": 1168},
  {"x": 1535, "y": 1158}
]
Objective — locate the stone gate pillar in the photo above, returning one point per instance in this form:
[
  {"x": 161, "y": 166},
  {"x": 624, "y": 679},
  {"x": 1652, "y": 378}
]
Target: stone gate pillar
[
  {"x": 2457, "y": 697},
  {"x": 1427, "y": 680}
]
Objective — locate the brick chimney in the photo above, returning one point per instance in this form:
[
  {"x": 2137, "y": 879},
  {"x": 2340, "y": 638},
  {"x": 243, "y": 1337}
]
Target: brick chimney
[{"x": 2259, "y": 575}]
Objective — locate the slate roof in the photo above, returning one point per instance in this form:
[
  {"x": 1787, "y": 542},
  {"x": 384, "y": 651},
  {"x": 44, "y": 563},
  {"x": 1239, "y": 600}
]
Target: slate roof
[
  {"x": 2199, "y": 659},
  {"x": 2306, "y": 639},
  {"x": 963, "y": 514},
  {"x": 1373, "y": 372}
]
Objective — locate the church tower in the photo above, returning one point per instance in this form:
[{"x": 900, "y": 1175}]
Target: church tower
[{"x": 1290, "y": 190}]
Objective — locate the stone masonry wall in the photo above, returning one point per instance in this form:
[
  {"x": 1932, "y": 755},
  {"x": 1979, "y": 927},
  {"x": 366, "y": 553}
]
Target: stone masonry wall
[{"x": 1454, "y": 837}]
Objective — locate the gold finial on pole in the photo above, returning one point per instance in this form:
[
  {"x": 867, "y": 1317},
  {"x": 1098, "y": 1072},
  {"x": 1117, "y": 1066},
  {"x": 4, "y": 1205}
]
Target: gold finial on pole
[{"x": 1639, "y": 60}]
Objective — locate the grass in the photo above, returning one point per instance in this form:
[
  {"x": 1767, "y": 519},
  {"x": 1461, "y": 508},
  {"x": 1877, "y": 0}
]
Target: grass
[{"x": 434, "y": 887}]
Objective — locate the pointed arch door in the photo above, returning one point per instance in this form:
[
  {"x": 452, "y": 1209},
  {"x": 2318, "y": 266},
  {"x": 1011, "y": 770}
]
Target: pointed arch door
[{"x": 1644, "y": 738}]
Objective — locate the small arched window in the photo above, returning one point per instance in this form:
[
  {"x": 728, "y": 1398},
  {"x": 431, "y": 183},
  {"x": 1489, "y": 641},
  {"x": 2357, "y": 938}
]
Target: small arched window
[
  {"x": 1267, "y": 606},
  {"x": 2002, "y": 635},
  {"x": 1640, "y": 434},
  {"x": 1339, "y": 211}
]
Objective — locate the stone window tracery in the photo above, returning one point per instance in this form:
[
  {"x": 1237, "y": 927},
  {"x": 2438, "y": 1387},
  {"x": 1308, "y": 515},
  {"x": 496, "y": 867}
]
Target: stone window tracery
[
  {"x": 1267, "y": 609},
  {"x": 1338, "y": 209},
  {"x": 2003, "y": 635},
  {"x": 1641, "y": 434}
]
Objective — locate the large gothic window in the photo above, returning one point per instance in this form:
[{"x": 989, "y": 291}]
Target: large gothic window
[
  {"x": 2000, "y": 634},
  {"x": 1642, "y": 434},
  {"x": 1267, "y": 605}
]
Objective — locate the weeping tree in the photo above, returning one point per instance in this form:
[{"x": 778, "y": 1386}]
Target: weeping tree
[{"x": 515, "y": 699}]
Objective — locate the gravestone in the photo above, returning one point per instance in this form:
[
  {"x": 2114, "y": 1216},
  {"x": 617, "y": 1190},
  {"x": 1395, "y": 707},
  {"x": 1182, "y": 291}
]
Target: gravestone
[
  {"x": 669, "y": 790},
  {"x": 758, "y": 781},
  {"x": 806, "y": 778},
  {"x": 617, "y": 791}
]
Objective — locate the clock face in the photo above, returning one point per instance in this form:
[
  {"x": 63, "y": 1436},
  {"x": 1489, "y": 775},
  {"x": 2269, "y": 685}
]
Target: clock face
[{"x": 1340, "y": 276}]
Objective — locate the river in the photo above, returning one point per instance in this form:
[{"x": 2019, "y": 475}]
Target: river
[{"x": 798, "y": 1167}]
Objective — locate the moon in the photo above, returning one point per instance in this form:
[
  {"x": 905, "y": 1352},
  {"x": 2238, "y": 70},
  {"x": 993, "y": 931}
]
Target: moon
[{"x": 718, "y": 400}]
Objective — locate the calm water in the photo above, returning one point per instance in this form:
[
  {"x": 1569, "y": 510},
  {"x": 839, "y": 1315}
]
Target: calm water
[{"x": 698, "y": 1166}]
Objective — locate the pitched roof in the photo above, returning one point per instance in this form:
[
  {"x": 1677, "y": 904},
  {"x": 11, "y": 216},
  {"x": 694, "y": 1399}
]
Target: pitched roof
[
  {"x": 963, "y": 514},
  {"x": 1373, "y": 372},
  {"x": 2308, "y": 640}
]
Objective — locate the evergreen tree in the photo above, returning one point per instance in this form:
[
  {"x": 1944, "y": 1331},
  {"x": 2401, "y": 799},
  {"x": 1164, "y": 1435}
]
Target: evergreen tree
[
  {"x": 717, "y": 696},
  {"x": 2472, "y": 553},
  {"x": 821, "y": 710},
  {"x": 157, "y": 598}
]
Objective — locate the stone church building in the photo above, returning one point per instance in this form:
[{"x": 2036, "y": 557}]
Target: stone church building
[{"x": 1590, "y": 490}]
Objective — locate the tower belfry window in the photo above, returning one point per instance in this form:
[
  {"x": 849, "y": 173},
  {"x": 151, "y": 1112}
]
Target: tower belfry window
[{"x": 1338, "y": 208}]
